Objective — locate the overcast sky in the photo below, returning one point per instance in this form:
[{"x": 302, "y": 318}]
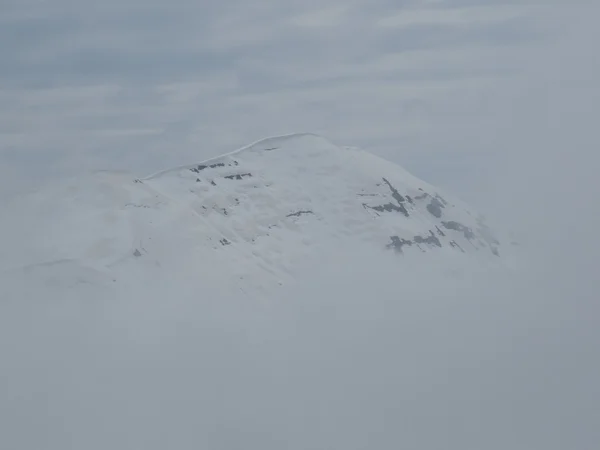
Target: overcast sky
[{"x": 142, "y": 85}]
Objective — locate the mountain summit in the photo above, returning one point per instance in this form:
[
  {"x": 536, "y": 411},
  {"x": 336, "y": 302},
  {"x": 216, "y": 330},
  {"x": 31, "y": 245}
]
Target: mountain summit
[{"x": 257, "y": 211}]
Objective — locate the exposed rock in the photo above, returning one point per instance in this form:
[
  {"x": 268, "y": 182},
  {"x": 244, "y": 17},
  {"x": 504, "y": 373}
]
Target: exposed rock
[
  {"x": 238, "y": 176},
  {"x": 431, "y": 239},
  {"x": 299, "y": 213},
  {"x": 456, "y": 226},
  {"x": 201, "y": 167},
  {"x": 455, "y": 245},
  {"x": 388, "y": 207},
  {"x": 435, "y": 207},
  {"x": 398, "y": 243},
  {"x": 399, "y": 198}
]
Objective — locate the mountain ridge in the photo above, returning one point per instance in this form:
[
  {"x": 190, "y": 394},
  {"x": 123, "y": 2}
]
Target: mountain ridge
[
  {"x": 255, "y": 213},
  {"x": 212, "y": 159}
]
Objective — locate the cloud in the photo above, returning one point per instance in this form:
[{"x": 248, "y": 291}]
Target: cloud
[
  {"x": 144, "y": 85},
  {"x": 457, "y": 16},
  {"x": 163, "y": 83},
  {"x": 342, "y": 358}
]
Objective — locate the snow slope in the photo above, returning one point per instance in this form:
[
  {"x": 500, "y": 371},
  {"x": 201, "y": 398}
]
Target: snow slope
[{"x": 244, "y": 220}]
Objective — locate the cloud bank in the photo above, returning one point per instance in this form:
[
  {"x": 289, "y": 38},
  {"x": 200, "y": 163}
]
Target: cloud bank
[{"x": 141, "y": 86}]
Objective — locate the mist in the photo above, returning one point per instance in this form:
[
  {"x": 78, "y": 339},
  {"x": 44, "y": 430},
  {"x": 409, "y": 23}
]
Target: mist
[
  {"x": 352, "y": 355},
  {"x": 366, "y": 348}
]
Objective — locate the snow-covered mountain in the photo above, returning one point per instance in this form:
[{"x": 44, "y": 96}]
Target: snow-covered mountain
[
  {"x": 246, "y": 219},
  {"x": 292, "y": 294}
]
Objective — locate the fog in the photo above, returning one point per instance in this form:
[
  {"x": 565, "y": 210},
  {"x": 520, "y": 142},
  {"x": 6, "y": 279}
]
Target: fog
[
  {"x": 409, "y": 354},
  {"x": 366, "y": 350}
]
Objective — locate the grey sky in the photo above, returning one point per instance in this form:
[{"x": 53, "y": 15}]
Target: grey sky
[{"x": 140, "y": 85}]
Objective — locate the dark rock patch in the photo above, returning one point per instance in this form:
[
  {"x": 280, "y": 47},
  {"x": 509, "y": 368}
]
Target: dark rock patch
[
  {"x": 398, "y": 243},
  {"x": 388, "y": 207},
  {"x": 239, "y": 176},
  {"x": 201, "y": 167},
  {"x": 456, "y": 226},
  {"x": 410, "y": 200},
  {"x": 434, "y": 210},
  {"x": 432, "y": 239},
  {"x": 137, "y": 253},
  {"x": 300, "y": 213},
  {"x": 455, "y": 245},
  {"x": 435, "y": 207},
  {"x": 137, "y": 205},
  {"x": 399, "y": 198}
]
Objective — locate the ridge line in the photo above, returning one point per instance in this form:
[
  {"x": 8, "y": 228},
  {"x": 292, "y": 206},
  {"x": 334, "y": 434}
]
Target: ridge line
[{"x": 238, "y": 150}]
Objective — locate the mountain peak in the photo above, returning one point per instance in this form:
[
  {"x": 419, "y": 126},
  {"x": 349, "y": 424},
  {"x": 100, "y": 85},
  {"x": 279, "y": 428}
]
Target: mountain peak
[
  {"x": 288, "y": 143},
  {"x": 261, "y": 209}
]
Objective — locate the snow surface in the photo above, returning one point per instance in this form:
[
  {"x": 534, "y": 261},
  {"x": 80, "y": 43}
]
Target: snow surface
[{"x": 247, "y": 220}]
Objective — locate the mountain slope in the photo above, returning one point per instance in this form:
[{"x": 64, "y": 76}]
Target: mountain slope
[{"x": 248, "y": 218}]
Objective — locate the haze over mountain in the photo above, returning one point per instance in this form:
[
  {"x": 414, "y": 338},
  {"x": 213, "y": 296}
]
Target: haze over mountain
[
  {"x": 244, "y": 282},
  {"x": 249, "y": 219},
  {"x": 293, "y": 294}
]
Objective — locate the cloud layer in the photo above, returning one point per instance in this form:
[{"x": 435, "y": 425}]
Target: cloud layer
[{"x": 144, "y": 85}]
